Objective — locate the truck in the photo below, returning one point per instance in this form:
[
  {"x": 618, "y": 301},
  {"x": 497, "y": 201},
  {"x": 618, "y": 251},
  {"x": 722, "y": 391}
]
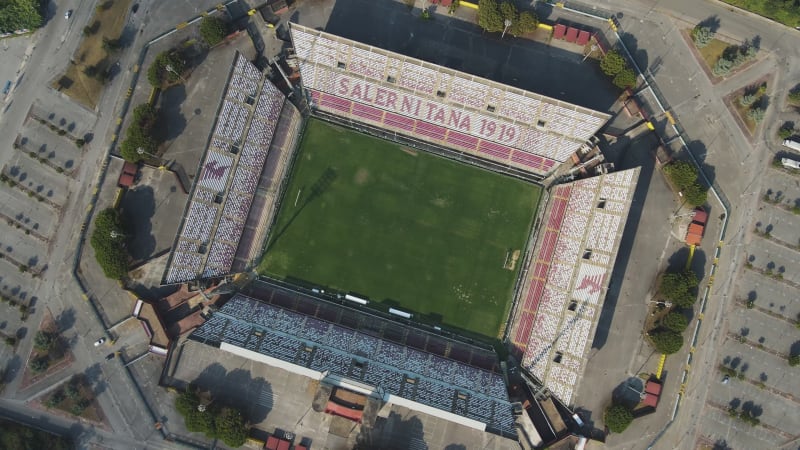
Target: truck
[
  {"x": 790, "y": 163},
  {"x": 794, "y": 145},
  {"x": 694, "y": 234}
]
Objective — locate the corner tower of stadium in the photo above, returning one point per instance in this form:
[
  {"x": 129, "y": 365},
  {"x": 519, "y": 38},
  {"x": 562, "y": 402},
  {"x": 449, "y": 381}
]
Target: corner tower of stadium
[{"x": 564, "y": 273}]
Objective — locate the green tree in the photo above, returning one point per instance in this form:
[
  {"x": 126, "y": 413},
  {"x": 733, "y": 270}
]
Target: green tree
[
  {"x": 525, "y": 23},
  {"x": 681, "y": 173},
  {"x": 626, "y": 78},
  {"x": 158, "y": 74},
  {"x": 108, "y": 242},
  {"x": 44, "y": 341},
  {"x": 794, "y": 360},
  {"x": 19, "y": 437},
  {"x": 509, "y": 12},
  {"x": 213, "y": 30},
  {"x": 489, "y": 17},
  {"x": 613, "y": 63},
  {"x": 667, "y": 341},
  {"x": 679, "y": 288},
  {"x": 695, "y": 194},
  {"x": 231, "y": 427},
  {"x": 20, "y": 15},
  {"x": 675, "y": 321},
  {"x": 617, "y": 418}
]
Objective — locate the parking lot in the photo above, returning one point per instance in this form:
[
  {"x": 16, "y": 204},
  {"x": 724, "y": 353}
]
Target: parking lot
[
  {"x": 761, "y": 331},
  {"x": 30, "y": 215}
]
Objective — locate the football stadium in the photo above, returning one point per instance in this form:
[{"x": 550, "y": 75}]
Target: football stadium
[{"x": 399, "y": 218}]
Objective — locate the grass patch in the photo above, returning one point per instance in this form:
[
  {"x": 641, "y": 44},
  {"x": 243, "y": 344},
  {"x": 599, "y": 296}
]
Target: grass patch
[
  {"x": 402, "y": 227},
  {"x": 784, "y": 12},
  {"x": 108, "y": 21},
  {"x": 712, "y": 52}
]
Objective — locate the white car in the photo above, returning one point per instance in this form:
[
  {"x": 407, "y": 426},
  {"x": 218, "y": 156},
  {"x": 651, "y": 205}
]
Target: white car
[
  {"x": 99, "y": 342},
  {"x": 68, "y": 14}
]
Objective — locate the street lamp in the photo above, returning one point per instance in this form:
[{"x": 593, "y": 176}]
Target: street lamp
[
  {"x": 115, "y": 235},
  {"x": 506, "y": 24},
  {"x": 142, "y": 152},
  {"x": 169, "y": 68}
]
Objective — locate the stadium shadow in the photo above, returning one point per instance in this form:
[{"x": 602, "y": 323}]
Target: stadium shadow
[
  {"x": 237, "y": 388},
  {"x": 319, "y": 187},
  {"x": 138, "y": 209},
  {"x": 630, "y": 159},
  {"x": 463, "y": 46}
]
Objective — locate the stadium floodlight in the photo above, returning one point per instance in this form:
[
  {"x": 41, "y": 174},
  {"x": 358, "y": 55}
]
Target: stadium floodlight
[{"x": 506, "y": 24}]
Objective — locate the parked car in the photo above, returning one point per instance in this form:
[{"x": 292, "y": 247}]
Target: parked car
[
  {"x": 68, "y": 14},
  {"x": 110, "y": 356},
  {"x": 100, "y": 342}
]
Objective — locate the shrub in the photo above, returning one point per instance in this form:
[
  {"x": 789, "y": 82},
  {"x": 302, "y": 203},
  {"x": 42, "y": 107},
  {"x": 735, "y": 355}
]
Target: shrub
[
  {"x": 794, "y": 360},
  {"x": 786, "y": 130},
  {"x": 44, "y": 341},
  {"x": 702, "y": 36},
  {"x": 527, "y": 22},
  {"x": 213, "y": 30},
  {"x": 666, "y": 341},
  {"x": 617, "y": 418},
  {"x": 39, "y": 364},
  {"x": 756, "y": 114},
  {"x": 794, "y": 95},
  {"x": 71, "y": 391}
]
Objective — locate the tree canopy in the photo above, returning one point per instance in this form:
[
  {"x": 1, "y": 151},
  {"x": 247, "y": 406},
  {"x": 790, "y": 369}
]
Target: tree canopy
[
  {"x": 18, "y": 15},
  {"x": 675, "y": 321},
  {"x": 695, "y": 194},
  {"x": 20, "y": 437},
  {"x": 525, "y": 23},
  {"x": 489, "y": 17},
  {"x": 224, "y": 423},
  {"x": 667, "y": 341},
  {"x": 617, "y": 418},
  {"x": 681, "y": 173},
  {"x": 108, "y": 242},
  {"x": 213, "y": 30},
  {"x": 613, "y": 63},
  {"x": 139, "y": 135},
  {"x": 157, "y": 73},
  {"x": 626, "y": 78},
  {"x": 679, "y": 288}
]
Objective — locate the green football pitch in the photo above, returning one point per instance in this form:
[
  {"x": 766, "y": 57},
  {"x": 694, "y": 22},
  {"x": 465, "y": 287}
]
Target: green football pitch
[{"x": 402, "y": 227}]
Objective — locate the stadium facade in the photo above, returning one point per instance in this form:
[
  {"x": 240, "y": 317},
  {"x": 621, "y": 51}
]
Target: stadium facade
[{"x": 563, "y": 281}]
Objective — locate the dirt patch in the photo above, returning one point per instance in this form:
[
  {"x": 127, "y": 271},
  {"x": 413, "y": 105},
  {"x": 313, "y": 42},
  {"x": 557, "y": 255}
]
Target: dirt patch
[
  {"x": 75, "y": 399},
  {"x": 362, "y": 176},
  {"x": 511, "y": 259},
  {"x": 58, "y": 357},
  {"x": 107, "y": 23}
]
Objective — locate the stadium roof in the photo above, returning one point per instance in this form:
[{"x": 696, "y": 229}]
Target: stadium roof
[
  {"x": 312, "y": 346},
  {"x": 217, "y": 212},
  {"x": 565, "y": 285},
  {"x": 440, "y": 105}
]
